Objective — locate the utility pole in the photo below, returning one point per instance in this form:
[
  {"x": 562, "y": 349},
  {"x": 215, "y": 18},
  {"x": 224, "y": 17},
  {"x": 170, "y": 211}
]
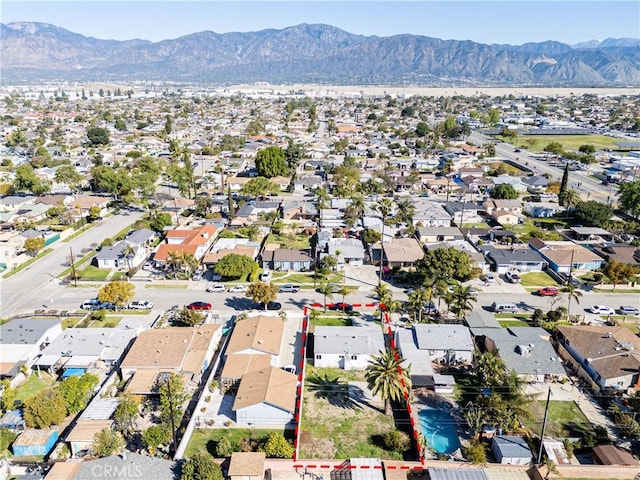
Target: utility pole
[
  {"x": 544, "y": 426},
  {"x": 73, "y": 267}
]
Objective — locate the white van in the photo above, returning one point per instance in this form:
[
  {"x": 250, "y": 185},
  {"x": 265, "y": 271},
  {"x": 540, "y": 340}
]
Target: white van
[
  {"x": 90, "y": 304},
  {"x": 499, "y": 307}
]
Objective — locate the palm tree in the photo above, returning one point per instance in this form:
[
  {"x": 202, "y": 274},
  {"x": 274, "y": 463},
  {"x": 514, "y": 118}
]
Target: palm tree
[
  {"x": 571, "y": 199},
  {"x": 174, "y": 261},
  {"x": 385, "y": 207},
  {"x": 406, "y": 210},
  {"x": 572, "y": 294},
  {"x": 384, "y": 294},
  {"x": 461, "y": 301},
  {"x": 189, "y": 262},
  {"x": 417, "y": 300},
  {"x": 326, "y": 289},
  {"x": 128, "y": 253},
  {"x": 357, "y": 205},
  {"x": 386, "y": 377}
]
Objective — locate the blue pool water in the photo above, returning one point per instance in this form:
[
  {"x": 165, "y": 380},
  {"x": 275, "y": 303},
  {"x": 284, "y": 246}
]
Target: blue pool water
[{"x": 439, "y": 428}]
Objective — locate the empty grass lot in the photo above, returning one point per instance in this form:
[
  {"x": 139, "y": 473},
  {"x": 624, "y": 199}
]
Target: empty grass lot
[
  {"x": 92, "y": 273},
  {"x": 206, "y": 439},
  {"x": 565, "y": 419},
  {"x": 537, "y": 279},
  {"x": 33, "y": 385},
  {"x": 568, "y": 142}
]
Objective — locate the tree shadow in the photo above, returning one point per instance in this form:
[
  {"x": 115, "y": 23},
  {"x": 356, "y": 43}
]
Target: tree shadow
[
  {"x": 334, "y": 390},
  {"x": 240, "y": 303}
]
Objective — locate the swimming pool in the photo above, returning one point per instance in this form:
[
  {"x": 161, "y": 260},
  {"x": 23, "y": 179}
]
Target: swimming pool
[{"x": 439, "y": 428}]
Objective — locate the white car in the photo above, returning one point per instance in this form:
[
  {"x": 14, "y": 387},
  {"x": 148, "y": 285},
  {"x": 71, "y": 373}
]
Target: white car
[
  {"x": 513, "y": 277},
  {"x": 141, "y": 305},
  {"x": 238, "y": 289},
  {"x": 217, "y": 288},
  {"x": 601, "y": 310}
]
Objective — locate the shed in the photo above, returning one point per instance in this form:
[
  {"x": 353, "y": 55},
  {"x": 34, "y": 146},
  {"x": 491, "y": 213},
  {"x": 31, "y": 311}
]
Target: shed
[
  {"x": 82, "y": 435},
  {"x": 246, "y": 466},
  {"x": 511, "y": 450},
  {"x": 612, "y": 455},
  {"x": 35, "y": 442}
]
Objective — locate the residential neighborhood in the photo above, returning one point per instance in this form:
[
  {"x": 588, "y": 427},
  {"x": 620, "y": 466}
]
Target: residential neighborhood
[{"x": 273, "y": 280}]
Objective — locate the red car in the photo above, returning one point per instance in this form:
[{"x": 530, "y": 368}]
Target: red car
[
  {"x": 199, "y": 306},
  {"x": 548, "y": 292}
]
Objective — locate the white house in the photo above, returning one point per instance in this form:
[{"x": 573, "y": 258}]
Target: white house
[
  {"x": 349, "y": 348},
  {"x": 445, "y": 343}
]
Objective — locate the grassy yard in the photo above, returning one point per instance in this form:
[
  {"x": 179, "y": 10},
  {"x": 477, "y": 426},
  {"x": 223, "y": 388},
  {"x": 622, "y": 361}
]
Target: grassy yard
[
  {"x": 565, "y": 419},
  {"x": 93, "y": 273},
  {"x": 33, "y": 385},
  {"x": 336, "y": 423},
  {"x": 568, "y": 142},
  {"x": 537, "y": 279},
  {"x": 513, "y": 323},
  {"x": 300, "y": 242},
  {"x": 108, "y": 322},
  {"x": 206, "y": 439},
  {"x": 337, "y": 320}
]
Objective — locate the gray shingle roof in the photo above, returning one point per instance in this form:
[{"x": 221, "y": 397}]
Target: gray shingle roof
[
  {"x": 512, "y": 447},
  {"x": 355, "y": 340},
  {"x": 131, "y": 465},
  {"x": 25, "y": 331}
]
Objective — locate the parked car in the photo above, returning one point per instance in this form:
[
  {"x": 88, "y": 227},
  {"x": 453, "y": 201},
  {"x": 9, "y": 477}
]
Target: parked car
[
  {"x": 199, "y": 306},
  {"x": 548, "y": 292},
  {"x": 266, "y": 276},
  {"x": 340, "y": 306},
  {"x": 238, "y": 289},
  {"x": 289, "y": 288},
  {"x": 271, "y": 306},
  {"x": 601, "y": 310},
  {"x": 197, "y": 276},
  {"x": 628, "y": 310},
  {"x": 141, "y": 305},
  {"x": 217, "y": 288},
  {"x": 290, "y": 368},
  {"x": 90, "y": 304},
  {"x": 513, "y": 277},
  {"x": 148, "y": 266}
]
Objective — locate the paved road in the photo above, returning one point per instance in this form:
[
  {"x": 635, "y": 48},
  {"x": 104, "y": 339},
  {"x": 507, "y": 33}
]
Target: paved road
[{"x": 37, "y": 285}]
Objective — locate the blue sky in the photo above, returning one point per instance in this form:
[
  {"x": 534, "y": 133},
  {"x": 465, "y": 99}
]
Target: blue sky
[{"x": 506, "y": 21}]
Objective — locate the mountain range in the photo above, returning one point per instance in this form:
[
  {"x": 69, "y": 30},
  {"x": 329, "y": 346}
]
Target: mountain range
[{"x": 316, "y": 53}]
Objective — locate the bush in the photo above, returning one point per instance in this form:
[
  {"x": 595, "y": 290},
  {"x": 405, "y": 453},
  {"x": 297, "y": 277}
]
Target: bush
[
  {"x": 224, "y": 447},
  {"x": 476, "y": 452},
  {"x": 396, "y": 441}
]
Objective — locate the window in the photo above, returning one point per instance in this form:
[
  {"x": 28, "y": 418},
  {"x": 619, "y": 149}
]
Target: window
[
  {"x": 340, "y": 356},
  {"x": 318, "y": 357},
  {"x": 354, "y": 357}
]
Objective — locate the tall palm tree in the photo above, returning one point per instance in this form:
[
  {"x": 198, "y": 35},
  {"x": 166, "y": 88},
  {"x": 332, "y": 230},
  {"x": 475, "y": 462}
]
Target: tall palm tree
[
  {"x": 128, "y": 253},
  {"x": 385, "y": 207},
  {"x": 189, "y": 262},
  {"x": 326, "y": 289},
  {"x": 571, "y": 199},
  {"x": 357, "y": 205},
  {"x": 174, "y": 261},
  {"x": 461, "y": 301},
  {"x": 385, "y": 377},
  {"x": 406, "y": 210},
  {"x": 384, "y": 294},
  {"x": 417, "y": 300},
  {"x": 572, "y": 294}
]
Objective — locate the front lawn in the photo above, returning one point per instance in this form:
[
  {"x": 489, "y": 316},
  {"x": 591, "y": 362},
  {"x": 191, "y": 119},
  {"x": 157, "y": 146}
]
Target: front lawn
[
  {"x": 108, "y": 322},
  {"x": 206, "y": 439},
  {"x": 513, "y": 323},
  {"x": 93, "y": 273},
  {"x": 565, "y": 419},
  {"x": 339, "y": 419},
  {"x": 34, "y": 385},
  {"x": 537, "y": 279},
  {"x": 336, "y": 320},
  {"x": 568, "y": 142}
]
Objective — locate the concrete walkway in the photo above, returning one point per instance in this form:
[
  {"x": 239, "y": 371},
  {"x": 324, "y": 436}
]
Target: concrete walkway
[{"x": 570, "y": 393}]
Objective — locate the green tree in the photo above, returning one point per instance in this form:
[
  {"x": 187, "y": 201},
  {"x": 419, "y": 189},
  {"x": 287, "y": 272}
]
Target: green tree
[
  {"x": 417, "y": 301},
  {"x": 172, "y": 397},
  {"x": 168, "y": 125},
  {"x": 77, "y": 391},
  {"x": 494, "y": 116},
  {"x": 276, "y": 446},
  {"x": 271, "y": 162},
  {"x": 587, "y": 148},
  {"x": 107, "y": 442},
  {"x": 554, "y": 148},
  {"x": 224, "y": 447},
  {"x": 68, "y": 175},
  {"x": 45, "y": 409},
  {"x": 261, "y": 292},
  {"x": 396, "y": 441},
  {"x": 98, "y": 136},
  {"x": 190, "y": 317},
  {"x": 618, "y": 272},
  {"x": 234, "y": 265},
  {"x": 94, "y": 212},
  {"x": 201, "y": 467},
  {"x": 259, "y": 187},
  {"x": 422, "y": 129},
  {"x": 384, "y": 208},
  {"x": 592, "y": 213},
  {"x": 26, "y": 180},
  {"x": 447, "y": 262},
  {"x": 573, "y": 294},
  {"x": 294, "y": 153},
  {"x": 126, "y": 413},
  {"x": 326, "y": 289},
  {"x": 160, "y": 221},
  {"x": 33, "y": 245},
  {"x": 476, "y": 453},
  {"x": 629, "y": 198},
  {"x": 564, "y": 185},
  {"x": 461, "y": 301},
  {"x": 371, "y": 236},
  {"x": 387, "y": 378},
  {"x": 504, "y": 191},
  {"x": 120, "y": 124},
  {"x": 156, "y": 435},
  {"x": 117, "y": 292},
  {"x": 8, "y": 400}
]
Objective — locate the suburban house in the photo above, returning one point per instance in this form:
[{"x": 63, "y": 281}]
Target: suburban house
[
  {"x": 606, "y": 357},
  {"x": 286, "y": 259},
  {"x": 464, "y": 212},
  {"x": 521, "y": 258},
  {"x": 525, "y": 350},
  {"x": 131, "y": 463},
  {"x": 349, "y": 348},
  {"x": 22, "y": 340},
  {"x": 196, "y": 241},
  {"x": 266, "y": 397},
  {"x": 246, "y": 466},
  {"x": 298, "y": 211},
  {"x": 430, "y": 214},
  {"x": 307, "y": 183},
  {"x": 347, "y": 250},
  {"x": 185, "y": 350},
  {"x": 257, "y": 335},
  {"x": 124, "y": 254},
  {"x": 85, "y": 202},
  {"x": 446, "y": 344},
  {"x": 542, "y": 210},
  {"x": 12, "y": 203},
  {"x": 566, "y": 257},
  {"x": 620, "y": 252},
  {"x": 511, "y": 450},
  {"x": 402, "y": 252},
  {"x": 438, "y": 234},
  {"x": 536, "y": 183},
  {"x": 238, "y": 364},
  {"x": 225, "y": 246}
]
